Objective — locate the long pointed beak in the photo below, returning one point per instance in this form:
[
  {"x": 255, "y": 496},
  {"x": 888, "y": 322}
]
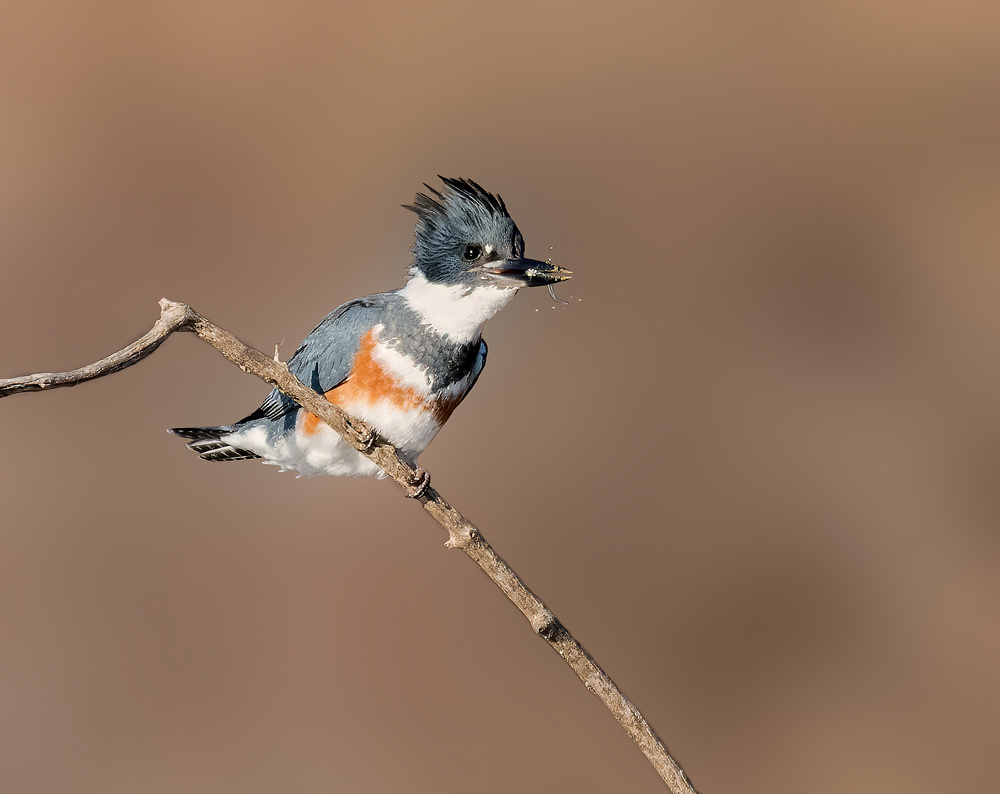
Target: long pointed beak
[{"x": 529, "y": 272}]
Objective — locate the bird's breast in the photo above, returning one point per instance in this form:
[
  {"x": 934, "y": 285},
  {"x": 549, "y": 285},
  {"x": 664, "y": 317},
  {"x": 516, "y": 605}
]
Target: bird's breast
[{"x": 395, "y": 392}]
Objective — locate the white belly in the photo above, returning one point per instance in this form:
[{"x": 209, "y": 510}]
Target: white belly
[{"x": 323, "y": 452}]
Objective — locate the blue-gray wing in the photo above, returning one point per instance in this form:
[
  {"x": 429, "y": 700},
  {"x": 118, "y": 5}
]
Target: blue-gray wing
[{"x": 323, "y": 360}]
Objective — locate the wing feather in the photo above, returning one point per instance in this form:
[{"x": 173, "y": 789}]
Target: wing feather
[{"x": 323, "y": 360}]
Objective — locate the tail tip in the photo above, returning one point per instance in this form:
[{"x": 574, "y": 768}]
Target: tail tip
[{"x": 207, "y": 443}]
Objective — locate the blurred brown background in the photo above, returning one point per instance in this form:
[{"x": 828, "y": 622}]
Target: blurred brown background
[{"x": 783, "y": 544}]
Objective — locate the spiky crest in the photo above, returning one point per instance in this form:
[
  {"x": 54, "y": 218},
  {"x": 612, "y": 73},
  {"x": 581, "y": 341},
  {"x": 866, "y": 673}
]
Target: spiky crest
[{"x": 461, "y": 197}]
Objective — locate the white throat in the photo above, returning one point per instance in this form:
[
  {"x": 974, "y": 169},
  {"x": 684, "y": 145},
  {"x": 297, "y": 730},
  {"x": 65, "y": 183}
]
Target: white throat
[{"x": 457, "y": 311}]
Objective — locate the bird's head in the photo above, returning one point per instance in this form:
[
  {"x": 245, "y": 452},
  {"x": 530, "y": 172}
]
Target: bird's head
[{"x": 465, "y": 236}]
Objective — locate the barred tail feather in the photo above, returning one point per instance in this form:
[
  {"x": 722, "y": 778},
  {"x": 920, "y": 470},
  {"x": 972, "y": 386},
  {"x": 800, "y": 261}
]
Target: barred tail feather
[{"x": 208, "y": 443}]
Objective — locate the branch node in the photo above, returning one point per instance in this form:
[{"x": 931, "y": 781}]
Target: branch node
[
  {"x": 177, "y": 314},
  {"x": 464, "y": 536},
  {"x": 545, "y": 624}
]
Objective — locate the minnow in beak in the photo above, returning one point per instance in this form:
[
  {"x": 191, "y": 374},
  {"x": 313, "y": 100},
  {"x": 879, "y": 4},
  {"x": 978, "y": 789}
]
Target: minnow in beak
[{"x": 528, "y": 272}]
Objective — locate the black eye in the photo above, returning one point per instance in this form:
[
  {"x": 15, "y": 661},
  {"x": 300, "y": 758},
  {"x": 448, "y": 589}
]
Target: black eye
[{"x": 472, "y": 252}]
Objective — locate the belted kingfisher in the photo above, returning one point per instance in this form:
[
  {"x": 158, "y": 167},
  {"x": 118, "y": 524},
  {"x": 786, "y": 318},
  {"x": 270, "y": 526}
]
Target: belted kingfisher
[{"x": 400, "y": 360}]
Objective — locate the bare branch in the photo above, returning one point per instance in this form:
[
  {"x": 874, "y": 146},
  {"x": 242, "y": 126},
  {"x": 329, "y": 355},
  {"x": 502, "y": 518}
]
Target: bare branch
[
  {"x": 172, "y": 317},
  {"x": 461, "y": 533}
]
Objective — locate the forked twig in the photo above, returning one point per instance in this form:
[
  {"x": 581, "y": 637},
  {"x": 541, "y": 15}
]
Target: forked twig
[{"x": 462, "y": 534}]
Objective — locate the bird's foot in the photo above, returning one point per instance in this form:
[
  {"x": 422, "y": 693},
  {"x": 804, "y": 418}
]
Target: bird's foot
[{"x": 418, "y": 485}]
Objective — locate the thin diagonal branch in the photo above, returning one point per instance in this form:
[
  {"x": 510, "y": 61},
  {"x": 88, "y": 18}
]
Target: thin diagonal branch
[
  {"x": 462, "y": 534},
  {"x": 172, "y": 317}
]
